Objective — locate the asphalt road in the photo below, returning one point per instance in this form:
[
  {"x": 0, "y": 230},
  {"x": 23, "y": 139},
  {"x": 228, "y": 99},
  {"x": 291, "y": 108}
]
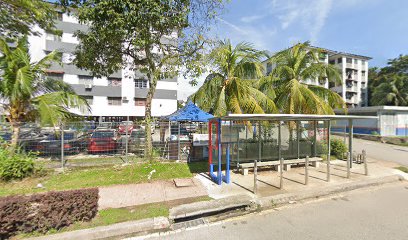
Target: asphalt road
[
  {"x": 382, "y": 151},
  {"x": 365, "y": 214}
]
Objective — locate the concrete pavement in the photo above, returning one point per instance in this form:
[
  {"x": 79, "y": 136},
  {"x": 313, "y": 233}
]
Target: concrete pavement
[
  {"x": 379, "y": 213},
  {"x": 381, "y": 151}
]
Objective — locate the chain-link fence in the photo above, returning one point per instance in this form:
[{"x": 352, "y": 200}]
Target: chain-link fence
[{"x": 87, "y": 143}]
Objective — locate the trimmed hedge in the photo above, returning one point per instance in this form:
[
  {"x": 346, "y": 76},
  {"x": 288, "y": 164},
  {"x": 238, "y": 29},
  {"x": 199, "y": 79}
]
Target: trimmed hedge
[{"x": 42, "y": 212}]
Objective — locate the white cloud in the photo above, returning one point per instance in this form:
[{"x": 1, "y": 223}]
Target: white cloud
[{"x": 253, "y": 18}]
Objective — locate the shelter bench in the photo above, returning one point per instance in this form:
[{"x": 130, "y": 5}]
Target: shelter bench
[{"x": 314, "y": 161}]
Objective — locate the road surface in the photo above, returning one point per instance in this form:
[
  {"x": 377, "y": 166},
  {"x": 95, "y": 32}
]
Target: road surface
[
  {"x": 366, "y": 214},
  {"x": 381, "y": 151}
]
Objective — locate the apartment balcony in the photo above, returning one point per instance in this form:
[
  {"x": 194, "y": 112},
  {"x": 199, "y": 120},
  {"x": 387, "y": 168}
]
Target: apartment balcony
[{"x": 352, "y": 88}]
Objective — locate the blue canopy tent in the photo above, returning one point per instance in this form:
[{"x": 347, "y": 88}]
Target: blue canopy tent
[{"x": 189, "y": 113}]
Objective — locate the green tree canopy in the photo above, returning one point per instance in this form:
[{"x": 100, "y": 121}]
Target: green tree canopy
[
  {"x": 152, "y": 39},
  {"x": 293, "y": 67},
  {"x": 230, "y": 85},
  {"x": 18, "y": 17}
]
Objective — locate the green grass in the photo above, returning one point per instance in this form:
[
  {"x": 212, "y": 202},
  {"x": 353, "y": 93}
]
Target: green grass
[
  {"x": 403, "y": 169},
  {"x": 118, "y": 215},
  {"x": 100, "y": 176}
]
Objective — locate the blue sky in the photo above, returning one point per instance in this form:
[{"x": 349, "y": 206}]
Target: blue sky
[{"x": 375, "y": 28}]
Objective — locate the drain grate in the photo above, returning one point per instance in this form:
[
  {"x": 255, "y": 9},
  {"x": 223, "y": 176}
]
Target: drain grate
[{"x": 189, "y": 224}]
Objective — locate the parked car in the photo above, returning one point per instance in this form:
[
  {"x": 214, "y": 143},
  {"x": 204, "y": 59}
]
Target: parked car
[
  {"x": 125, "y": 125},
  {"x": 73, "y": 143},
  {"x": 104, "y": 140},
  {"x": 104, "y": 125},
  {"x": 137, "y": 140}
]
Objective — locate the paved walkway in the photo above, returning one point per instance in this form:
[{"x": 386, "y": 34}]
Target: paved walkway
[
  {"x": 159, "y": 191},
  {"x": 294, "y": 180}
]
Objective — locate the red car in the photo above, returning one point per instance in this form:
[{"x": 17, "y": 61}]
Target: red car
[
  {"x": 106, "y": 140},
  {"x": 125, "y": 124}
]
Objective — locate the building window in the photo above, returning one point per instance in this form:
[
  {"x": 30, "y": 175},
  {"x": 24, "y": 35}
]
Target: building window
[
  {"x": 58, "y": 16},
  {"x": 140, "y": 83},
  {"x": 114, "y": 82},
  {"x": 56, "y": 76},
  {"x": 332, "y": 62},
  {"x": 86, "y": 80},
  {"x": 339, "y": 60},
  {"x": 140, "y": 102},
  {"x": 363, "y": 63},
  {"x": 349, "y": 60},
  {"x": 114, "y": 101},
  {"x": 363, "y": 73},
  {"x": 89, "y": 99},
  {"x": 52, "y": 37},
  {"x": 268, "y": 68},
  {"x": 355, "y": 61}
]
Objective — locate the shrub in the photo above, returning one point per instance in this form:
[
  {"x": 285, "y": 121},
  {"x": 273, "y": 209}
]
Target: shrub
[
  {"x": 42, "y": 212},
  {"x": 15, "y": 165},
  {"x": 338, "y": 148}
]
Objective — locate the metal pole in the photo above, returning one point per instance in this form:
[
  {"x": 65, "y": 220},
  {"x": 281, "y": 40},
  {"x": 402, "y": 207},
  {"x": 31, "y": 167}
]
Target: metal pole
[
  {"x": 281, "y": 174},
  {"x": 298, "y": 138},
  {"x": 314, "y": 137},
  {"x": 255, "y": 176},
  {"x": 62, "y": 146},
  {"x": 238, "y": 149},
  {"x": 168, "y": 142},
  {"x": 127, "y": 139},
  {"x": 348, "y": 164},
  {"x": 328, "y": 150},
  {"x": 365, "y": 162},
  {"x": 351, "y": 141},
  {"x": 259, "y": 142},
  {"x": 279, "y": 140},
  {"x": 307, "y": 170},
  {"x": 178, "y": 141}
]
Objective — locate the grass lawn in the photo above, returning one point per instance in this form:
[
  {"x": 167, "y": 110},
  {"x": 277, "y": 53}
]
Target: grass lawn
[
  {"x": 101, "y": 176},
  {"x": 402, "y": 168},
  {"x": 117, "y": 215}
]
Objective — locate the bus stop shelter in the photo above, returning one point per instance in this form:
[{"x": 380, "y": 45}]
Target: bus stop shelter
[{"x": 240, "y": 139}]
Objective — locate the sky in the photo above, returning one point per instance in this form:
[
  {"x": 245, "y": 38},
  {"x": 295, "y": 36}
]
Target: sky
[{"x": 374, "y": 28}]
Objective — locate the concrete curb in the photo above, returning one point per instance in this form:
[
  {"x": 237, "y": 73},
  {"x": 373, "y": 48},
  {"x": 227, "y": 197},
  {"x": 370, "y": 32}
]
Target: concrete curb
[
  {"x": 282, "y": 199},
  {"x": 114, "y": 230}
]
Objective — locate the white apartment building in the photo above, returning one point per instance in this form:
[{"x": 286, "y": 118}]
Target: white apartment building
[
  {"x": 111, "y": 98},
  {"x": 354, "y": 74}
]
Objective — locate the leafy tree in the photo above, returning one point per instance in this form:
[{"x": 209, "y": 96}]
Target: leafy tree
[
  {"x": 293, "y": 66},
  {"x": 393, "y": 91},
  {"x": 388, "y": 85},
  {"x": 27, "y": 94},
  {"x": 150, "y": 38},
  {"x": 230, "y": 85},
  {"x": 18, "y": 17}
]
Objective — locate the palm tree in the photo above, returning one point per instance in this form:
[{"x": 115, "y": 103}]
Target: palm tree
[
  {"x": 293, "y": 66},
  {"x": 393, "y": 91},
  {"x": 230, "y": 85},
  {"x": 27, "y": 94}
]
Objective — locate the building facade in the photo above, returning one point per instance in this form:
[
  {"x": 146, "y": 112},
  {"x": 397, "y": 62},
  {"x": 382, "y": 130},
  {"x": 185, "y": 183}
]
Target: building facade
[
  {"x": 354, "y": 74},
  {"x": 111, "y": 98}
]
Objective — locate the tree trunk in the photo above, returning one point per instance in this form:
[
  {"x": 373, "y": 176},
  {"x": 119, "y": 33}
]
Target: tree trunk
[
  {"x": 15, "y": 136},
  {"x": 148, "y": 119}
]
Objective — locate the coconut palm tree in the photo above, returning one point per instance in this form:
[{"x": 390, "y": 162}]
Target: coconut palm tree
[
  {"x": 27, "y": 94},
  {"x": 293, "y": 67},
  {"x": 230, "y": 85},
  {"x": 393, "y": 91}
]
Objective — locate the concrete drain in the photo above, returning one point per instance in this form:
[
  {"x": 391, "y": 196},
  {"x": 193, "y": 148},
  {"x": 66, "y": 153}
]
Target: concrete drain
[{"x": 189, "y": 224}]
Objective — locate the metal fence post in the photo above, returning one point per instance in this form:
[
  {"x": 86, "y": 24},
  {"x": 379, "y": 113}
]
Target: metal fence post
[
  {"x": 365, "y": 162},
  {"x": 62, "y": 146},
  {"x": 178, "y": 141},
  {"x": 281, "y": 174},
  {"x": 255, "y": 176},
  {"x": 348, "y": 164},
  {"x": 307, "y": 170},
  {"x": 328, "y": 150},
  {"x": 127, "y": 139},
  {"x": 298, "y": 138}
]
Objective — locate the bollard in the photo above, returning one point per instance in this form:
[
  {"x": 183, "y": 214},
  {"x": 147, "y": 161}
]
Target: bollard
[
  {"x": 281, "y": 174},
  {"x": 328, "y": 167},
  {"x": 255, "y": 177},
  {"x": 365, "y": 162},
  {"x": 348, "y": 164},
  {"x": 307, "y": 170}
]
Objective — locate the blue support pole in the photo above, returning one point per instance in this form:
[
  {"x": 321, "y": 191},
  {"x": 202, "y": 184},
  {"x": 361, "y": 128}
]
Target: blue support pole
[
  {"x": 227, "y": 167},
  {"x": 219, "y": 177}
]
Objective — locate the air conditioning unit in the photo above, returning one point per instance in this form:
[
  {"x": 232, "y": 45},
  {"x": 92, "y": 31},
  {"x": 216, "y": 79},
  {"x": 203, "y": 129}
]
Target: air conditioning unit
[
  {"x": 125, "y": 99},
  {"x": 88, "y": 86}
]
